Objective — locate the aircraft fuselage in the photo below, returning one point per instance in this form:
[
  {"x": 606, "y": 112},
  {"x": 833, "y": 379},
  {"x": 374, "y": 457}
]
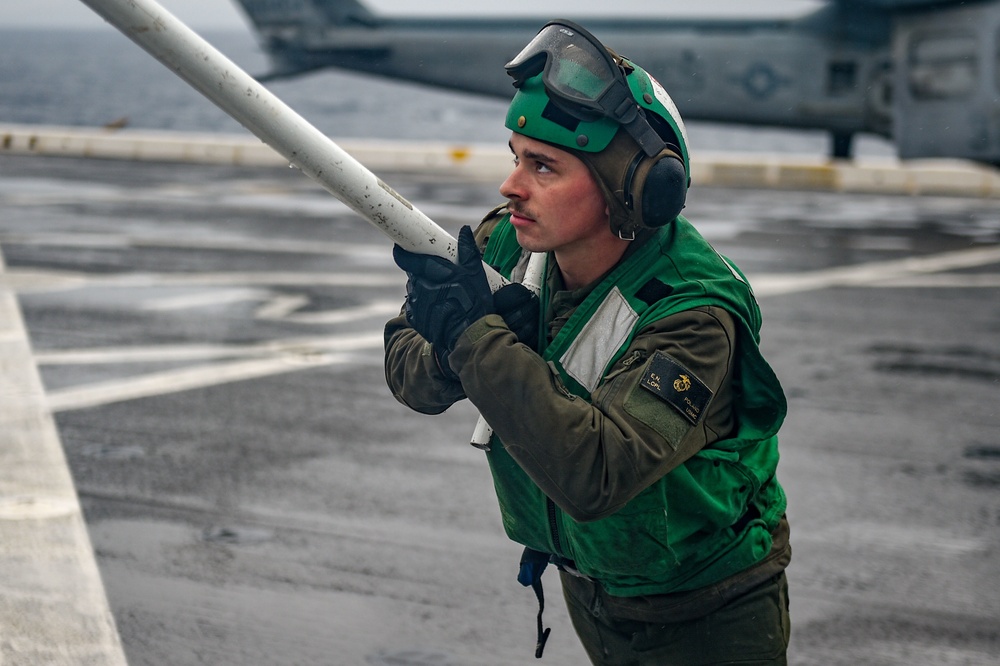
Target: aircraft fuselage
[{"x": 927, "y": 77}]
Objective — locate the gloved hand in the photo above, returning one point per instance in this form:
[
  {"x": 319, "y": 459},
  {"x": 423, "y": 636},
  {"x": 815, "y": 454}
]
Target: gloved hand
[
  {"x": 518, "y": 306},
  {"x": 444, "y": 298}
]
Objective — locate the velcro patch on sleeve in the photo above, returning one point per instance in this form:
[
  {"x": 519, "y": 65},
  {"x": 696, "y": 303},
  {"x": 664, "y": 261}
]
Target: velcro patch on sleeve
[{"x": 677, "y": 386}]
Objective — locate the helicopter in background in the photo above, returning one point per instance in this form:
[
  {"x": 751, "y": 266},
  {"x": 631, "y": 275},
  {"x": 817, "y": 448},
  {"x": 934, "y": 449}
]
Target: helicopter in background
[{"x": 924, "y": 74}]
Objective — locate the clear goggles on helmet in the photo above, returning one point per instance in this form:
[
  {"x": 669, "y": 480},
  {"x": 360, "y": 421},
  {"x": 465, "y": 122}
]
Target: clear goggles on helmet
[{"x": 583, "y": 79}]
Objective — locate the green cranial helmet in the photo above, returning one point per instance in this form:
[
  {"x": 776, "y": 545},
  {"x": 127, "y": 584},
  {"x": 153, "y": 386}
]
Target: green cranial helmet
[{"x": 574, "y": 93}]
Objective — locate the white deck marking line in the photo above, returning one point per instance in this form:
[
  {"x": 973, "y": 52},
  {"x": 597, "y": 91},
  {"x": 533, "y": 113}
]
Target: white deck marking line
[
  {"x": 25, "y": 281},
  {"x": 204, "y": 299},
  {"x": 947, "y": 281},
  {"x": 873, "y": 274},
  {"x": 184, "y": 379},
  {"x": 49, "y": 565},
  {"x": 904, "y": 538},
  {"x": 200, "y": 352},
  {"x": 280, "y": 306},
  {"x": 339, "y": 316},
  {"x": 269, "y": 245}
]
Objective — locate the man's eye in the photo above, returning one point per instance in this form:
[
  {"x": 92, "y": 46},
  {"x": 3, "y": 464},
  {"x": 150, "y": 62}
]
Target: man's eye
[{"x": 543, "y": 168}]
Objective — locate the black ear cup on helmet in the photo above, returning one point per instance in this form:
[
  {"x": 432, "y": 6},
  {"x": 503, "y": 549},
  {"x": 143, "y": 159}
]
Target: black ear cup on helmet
[
  {"x": 663, "y": 193},
  {"x": 655, "y": 188},
  {"x": 641, "y": 191}
]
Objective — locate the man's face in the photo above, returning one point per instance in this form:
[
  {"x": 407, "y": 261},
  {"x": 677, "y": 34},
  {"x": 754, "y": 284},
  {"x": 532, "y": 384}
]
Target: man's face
[{"x": 554, "y": 202}]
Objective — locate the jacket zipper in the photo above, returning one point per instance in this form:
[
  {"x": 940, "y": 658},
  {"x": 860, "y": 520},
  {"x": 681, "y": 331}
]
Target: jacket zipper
[
  {"x": 550, "y": 505},
  {"x": 553, "y": 526}
]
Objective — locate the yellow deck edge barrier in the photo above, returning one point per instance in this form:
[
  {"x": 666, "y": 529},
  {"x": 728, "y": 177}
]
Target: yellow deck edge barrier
[{"x": 487, "y": 162}]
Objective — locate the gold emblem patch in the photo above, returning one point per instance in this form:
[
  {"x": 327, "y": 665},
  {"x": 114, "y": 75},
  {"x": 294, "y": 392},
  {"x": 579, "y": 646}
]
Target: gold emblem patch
[
  {"x": 686, "y": 393},
  {"x": 682, "y": 383}
]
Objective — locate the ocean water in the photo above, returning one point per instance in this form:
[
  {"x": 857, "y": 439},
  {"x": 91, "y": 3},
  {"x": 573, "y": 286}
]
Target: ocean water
[{"x": 90, "y": 78}]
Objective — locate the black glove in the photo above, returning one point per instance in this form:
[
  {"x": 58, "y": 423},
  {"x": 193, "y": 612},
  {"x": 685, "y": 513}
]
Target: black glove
[
  {"x": 444, "y": 298},
  {"x": 519, "y": 308}
]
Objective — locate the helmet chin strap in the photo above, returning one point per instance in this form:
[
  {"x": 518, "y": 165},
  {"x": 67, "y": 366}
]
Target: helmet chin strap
[
  {"x": 629, "y": 177},
  {"x": 630, "y": 239},
  {"x": 627, "y": 197}
]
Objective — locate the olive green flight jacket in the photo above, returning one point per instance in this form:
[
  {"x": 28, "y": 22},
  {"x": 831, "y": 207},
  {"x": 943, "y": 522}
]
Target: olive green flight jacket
[{"x": 641, "y": 442}]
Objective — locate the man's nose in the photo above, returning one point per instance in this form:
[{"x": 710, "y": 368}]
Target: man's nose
[{"x": 513, "y": 188}]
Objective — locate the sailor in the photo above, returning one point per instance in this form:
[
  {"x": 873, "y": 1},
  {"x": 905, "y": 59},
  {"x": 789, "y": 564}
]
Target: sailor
[{"x": 634, "y": 420}]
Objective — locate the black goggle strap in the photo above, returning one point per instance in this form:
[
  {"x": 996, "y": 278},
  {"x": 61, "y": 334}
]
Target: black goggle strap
[{"x": 618, "y": 105}]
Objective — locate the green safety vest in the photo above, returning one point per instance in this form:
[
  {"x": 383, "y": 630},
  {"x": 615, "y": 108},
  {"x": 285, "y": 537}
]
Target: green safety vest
[{"x": 705, "y": 520}]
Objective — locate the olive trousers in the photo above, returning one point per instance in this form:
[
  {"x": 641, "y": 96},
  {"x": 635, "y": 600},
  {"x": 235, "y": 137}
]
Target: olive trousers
[{"x": 750, "y": 629}]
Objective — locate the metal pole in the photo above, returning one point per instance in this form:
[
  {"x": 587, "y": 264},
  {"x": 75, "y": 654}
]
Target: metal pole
[
  {"x": 215, "y": 76},
  {"x": 234, "y": 91}
]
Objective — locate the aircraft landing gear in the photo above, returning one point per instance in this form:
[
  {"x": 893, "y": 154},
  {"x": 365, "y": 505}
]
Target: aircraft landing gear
[{"x": 841, "y": 145}]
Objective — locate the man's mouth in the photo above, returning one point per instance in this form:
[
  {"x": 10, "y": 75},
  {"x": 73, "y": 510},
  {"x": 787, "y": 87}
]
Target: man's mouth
[{"x": 522, "y": 216}]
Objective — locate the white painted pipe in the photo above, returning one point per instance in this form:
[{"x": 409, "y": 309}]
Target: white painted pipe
[
  {"x": 215, "y": 76},
  {"x": 234, "y": 91},
  {"x": 533, "y": 277}
]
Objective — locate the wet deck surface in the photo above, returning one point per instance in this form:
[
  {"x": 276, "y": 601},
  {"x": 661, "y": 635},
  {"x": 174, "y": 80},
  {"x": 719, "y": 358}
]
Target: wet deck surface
[{"x": 210, "y": 342}]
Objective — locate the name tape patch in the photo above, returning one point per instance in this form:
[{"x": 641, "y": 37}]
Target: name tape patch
[{"x": 677, "y": 386}]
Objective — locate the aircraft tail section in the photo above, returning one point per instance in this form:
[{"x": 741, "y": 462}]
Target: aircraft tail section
[
  {"x": 346, "y": 12},
  {"x": 271, "y": 14}
]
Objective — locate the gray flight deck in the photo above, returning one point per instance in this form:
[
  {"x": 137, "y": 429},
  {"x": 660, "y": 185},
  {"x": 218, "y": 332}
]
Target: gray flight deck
[{"x": 209, "y": 341}]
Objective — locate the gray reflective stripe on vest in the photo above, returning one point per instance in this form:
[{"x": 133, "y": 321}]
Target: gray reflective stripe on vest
[
  {"x": 600, "y": 338},
  {"x": 736, "y": 273}
]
